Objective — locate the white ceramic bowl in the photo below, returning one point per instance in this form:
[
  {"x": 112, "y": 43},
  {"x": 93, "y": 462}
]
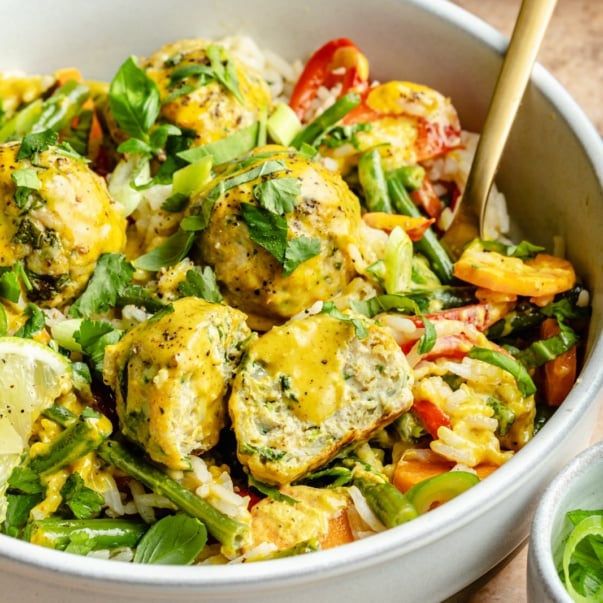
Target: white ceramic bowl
[
  {"x": 579, "y": 485},
  {"x": 552, "y": 174}
]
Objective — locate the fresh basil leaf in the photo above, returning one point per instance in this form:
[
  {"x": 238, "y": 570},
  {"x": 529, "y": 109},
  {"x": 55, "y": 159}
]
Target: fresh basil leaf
[
  {"x": 193, "y": 223},
  {"x": 160, "y": 134},
  {"x": 197, "y": 75},
  {"x": 386, "y": 303},
  {"x": 134, "y": 99},
  {"x": 134, "y": 146},
  {"x": 201, "y": 283},
  {"x": 541, "y": 351},
  {"x": 173, "y": 540},
  {"x": 298, "y": 250},
  {"x": 174, "y": 249},
  {"x": 278, "y": 195},
  {"x": 429, "y": 337},
  {"x": 511, "y": 365},
  {"x": 524, "y": 250},
  {"x": 266, "y": 229}
]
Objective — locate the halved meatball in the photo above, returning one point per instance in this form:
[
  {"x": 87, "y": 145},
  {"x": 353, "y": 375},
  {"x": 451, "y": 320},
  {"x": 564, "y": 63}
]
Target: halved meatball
[
  {"x": 308, "y": 388},
  {"x": 170, "y": 375},
  {"x": 323, "y": 210},
  {"x": 57, "y": 218}
]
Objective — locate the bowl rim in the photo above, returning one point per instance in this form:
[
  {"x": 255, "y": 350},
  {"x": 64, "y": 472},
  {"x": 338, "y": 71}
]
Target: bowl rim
[
  {"x": 540, "y": 549},
  {"x": 381, "y": 547}
]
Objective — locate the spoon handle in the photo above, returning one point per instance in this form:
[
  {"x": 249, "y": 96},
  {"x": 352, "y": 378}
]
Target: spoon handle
[{"x": 529, "y": 30}]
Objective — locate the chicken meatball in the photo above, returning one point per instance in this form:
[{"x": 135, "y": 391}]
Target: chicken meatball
[
  {"x": 57, "y": 218},
  {"x": 205, "y": 90},
  {"x": 170, "y": 375},
  {"x": 281, "y": 234},
  {"x": 311, "y": 386}
]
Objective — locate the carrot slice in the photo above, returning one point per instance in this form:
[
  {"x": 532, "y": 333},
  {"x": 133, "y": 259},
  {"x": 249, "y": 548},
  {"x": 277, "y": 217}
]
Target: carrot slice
[{"x": 543, "y": 275}]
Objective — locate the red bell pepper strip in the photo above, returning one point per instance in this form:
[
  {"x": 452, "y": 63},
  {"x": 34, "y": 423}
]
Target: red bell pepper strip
[
  {"x": 338, "y": 61},
  {"x": 559, "y": 373},
  {"x": 432, "y": 416}
]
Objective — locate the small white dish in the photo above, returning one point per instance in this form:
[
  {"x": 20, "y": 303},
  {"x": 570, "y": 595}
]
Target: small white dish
[{"x": 579, "y": 485}]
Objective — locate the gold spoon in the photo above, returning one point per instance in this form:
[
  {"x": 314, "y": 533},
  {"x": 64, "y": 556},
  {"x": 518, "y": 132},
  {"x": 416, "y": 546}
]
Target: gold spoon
[{"x": 529, "y": 30}]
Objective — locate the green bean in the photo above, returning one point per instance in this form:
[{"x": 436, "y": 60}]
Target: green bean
[
  {"x": 372, "y": 180},
  {"x": 428, "y": 244},
  {"x": 318, "y": 126}
]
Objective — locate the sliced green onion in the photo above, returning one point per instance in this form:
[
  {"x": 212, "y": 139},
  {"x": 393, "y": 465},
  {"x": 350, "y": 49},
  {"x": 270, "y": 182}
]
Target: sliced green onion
[
  {"x": 193, "y": 177},
  {"x": 590, "y": 527},
  {"x": 225, "y": 149},
  {"x": 283, "y": 125}
]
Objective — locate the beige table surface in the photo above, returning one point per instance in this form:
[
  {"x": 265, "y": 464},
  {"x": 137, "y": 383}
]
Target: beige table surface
[{"x": 573, "y": 52}]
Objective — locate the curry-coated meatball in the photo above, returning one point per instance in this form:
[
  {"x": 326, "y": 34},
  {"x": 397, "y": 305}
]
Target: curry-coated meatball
[
  {"x": 197, "y": 98},
  {"x": 319, "y": 218},
  {"x": 170, "y": 375},
  {"x": 57, "y": 218}
]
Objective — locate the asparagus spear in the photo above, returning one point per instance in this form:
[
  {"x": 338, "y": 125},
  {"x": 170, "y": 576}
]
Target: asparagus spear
[
  {"x": 86, "y": 534},
  {"x": 229, "y": 532}
]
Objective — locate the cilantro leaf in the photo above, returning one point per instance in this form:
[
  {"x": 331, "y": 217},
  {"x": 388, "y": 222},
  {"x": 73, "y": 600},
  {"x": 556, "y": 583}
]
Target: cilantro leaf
[
  {"x": 111, "y": 274},
  {"x": 267, "y": 229},
  {"x": 83, "y": 502},
  {"x": 201, "y": 283},
  {"x": 278, "y": 195},
  {"x": 27, "y": 178},
  {"x": 93, "y": 336},
  {"x": 25, "y": 480},
  {"x": 27, "y": 183},
  {"x": 10, "y": 285},
  {"x": 299, "y": 250},
  {"x": 134, "y": 99},
  {"x": 36, "y": 321},
  {"x": 35, "y": 143},
  {"x": 18, "y": 507}
]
